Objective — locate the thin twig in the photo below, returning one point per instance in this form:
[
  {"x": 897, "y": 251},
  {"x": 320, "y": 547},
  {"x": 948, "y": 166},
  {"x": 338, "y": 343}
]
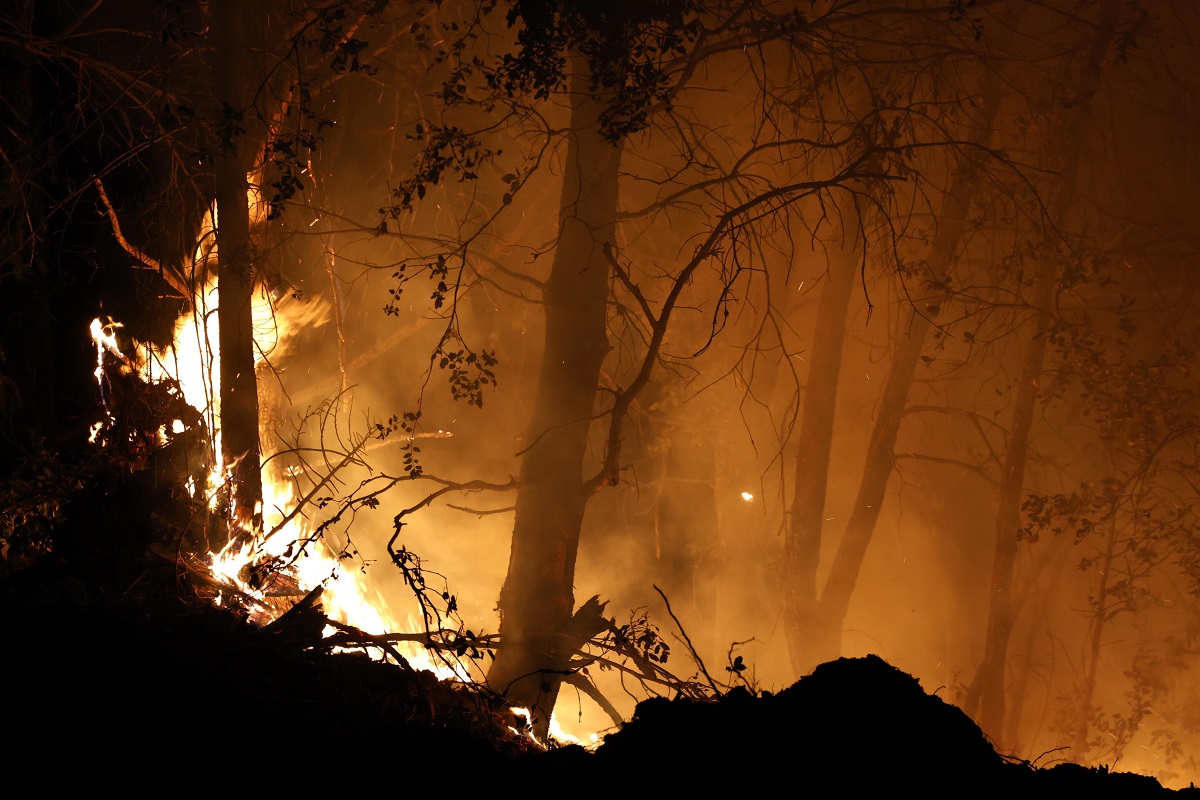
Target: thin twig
[
  {"x": 585, "y": 685},
  {"x": 691, "y": 648}
]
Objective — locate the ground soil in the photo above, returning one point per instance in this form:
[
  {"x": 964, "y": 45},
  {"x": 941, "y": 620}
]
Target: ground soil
[{"x": 122, "y": 675}]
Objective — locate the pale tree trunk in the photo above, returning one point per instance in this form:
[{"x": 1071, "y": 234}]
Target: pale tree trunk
[
  {"x": 537, "y": 599},
  {"x": 238, "y": 387},
  {"x": 986, "y": 695}
]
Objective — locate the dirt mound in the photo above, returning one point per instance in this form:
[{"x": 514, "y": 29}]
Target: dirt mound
[{"x": 855, "y": 727}]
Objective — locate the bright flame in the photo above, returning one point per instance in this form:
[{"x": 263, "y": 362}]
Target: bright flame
[
  {"x": 247, "y": 562},
  {"x": 105, "y": 337},
  {"x": 284, "y": 545},
  {"x": 558, "y": 734},
  {"x": 526, "y": 730},
  {"x": 747, "y": 496},
  {"x": 283, "y": 555},
  {"x": 193, "y": 359}
]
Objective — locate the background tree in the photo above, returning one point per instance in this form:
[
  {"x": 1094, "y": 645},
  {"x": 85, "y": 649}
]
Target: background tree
[
  {"x": 815, "y": 618},
  {"x": 637, "y": 69}
]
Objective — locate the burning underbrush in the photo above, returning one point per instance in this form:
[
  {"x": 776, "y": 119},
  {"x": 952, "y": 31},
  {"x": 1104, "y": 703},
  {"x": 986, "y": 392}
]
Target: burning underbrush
[
  {"x": 293, "y": 568},
  {"x": 121, "y": 668},
  {"x": 147, "y": 625}
]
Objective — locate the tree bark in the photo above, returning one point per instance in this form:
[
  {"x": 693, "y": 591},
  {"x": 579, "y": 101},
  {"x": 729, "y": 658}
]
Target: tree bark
[
  {"x": 235, "y": 287},
  {"x": 537, "y": 598},
  {"x": 1039, "y": 593},
  {"x": 687, "y": 533}
]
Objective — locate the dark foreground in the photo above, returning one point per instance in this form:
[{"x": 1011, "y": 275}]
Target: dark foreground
[{"x": 147, "y": 692}]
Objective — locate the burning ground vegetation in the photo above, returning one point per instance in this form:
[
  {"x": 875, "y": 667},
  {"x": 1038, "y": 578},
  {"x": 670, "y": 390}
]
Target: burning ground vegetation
[{"x": 137, "y": 655}]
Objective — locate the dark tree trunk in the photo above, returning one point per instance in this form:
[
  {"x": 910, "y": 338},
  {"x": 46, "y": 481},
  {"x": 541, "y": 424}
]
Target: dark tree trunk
[
  {"x": 815, "y": 624},
  {"x": 1095, "y": 644},
  {"x": 907, "y": 349},
  {"x": 1039, "y": 593},
  {"x": 987, "y": 692},
  {"x": 537, "y": 599},
  {"x": 809, "y": 635},
  {"x": 815, "y": 621},
  {"x": 687, "y": 536},
  {"x": 238, "y": 387}
]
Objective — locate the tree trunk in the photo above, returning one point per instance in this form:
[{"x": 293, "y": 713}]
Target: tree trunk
[
  {"x": 810, "y": 638},
  {"x": 235, "y": 287},
  {"x": 1039, "y": 593},
  {"x": 881, "y": 447},
  {"x": 537, "y": 599},
  {"x": 814, "y": 628},
  {"x": 1095, "y": 643},
  {"x": 687, "y": 535},
  {"x": 986, "y": 694},
  {"x": 987, "y": 691}
]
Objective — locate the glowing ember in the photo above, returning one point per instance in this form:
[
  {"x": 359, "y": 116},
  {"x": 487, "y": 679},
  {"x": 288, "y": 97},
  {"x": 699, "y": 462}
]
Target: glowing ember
[{"x": 747, "y": 496}]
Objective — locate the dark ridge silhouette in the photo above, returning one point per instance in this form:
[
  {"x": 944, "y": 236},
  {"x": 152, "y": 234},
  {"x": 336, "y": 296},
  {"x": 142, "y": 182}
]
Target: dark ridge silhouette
[{"x": 108, "y": 690}]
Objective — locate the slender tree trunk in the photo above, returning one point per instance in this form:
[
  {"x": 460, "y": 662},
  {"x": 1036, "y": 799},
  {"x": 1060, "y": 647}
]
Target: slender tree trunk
[
  {"x": 808, "y": 634},
  {"x": 1094, "y": 645},
  {"x": 1024, "y": 671},
  {"x": 238, "y": 387},
  {"x": 988, "y": 689},
  {"x": 814, "y": 635},
  {"x": 537, "y": 599},
  {"x": 687, "y": 536},
  {"x": 1040, "y": 592},
  {"x": 881, "y": 459},
  {"x": 987, "y": 692}
]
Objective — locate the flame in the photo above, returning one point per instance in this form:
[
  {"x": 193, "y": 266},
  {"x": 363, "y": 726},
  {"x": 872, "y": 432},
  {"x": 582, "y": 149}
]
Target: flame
[
  {"x": 284, "y": 547},
  {"x": 104, "y": 335},
  {"x": 557, "y": 734},
  {"x": 561, "y": 736},
  {"x": 284, "y": 554}
]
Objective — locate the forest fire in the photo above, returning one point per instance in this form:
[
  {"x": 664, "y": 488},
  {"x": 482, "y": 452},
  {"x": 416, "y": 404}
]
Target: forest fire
[
  {"x": 268, "y": 567},
  {"x": 270, "y": 562},
  {"x": 493, "y": 367}
]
